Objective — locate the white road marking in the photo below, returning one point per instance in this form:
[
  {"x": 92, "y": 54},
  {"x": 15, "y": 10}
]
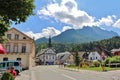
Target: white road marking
[{"x": 68, "y": 77}]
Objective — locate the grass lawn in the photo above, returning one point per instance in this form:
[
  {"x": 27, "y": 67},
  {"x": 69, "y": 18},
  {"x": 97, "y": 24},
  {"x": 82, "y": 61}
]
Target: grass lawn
[{"x": 94, "y": 68}]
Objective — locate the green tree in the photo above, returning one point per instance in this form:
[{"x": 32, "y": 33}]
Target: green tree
[
  {"x": 7, "y": 76},
  {"x": 77, "y": 58},
  {"x": 14, "y": 11}
]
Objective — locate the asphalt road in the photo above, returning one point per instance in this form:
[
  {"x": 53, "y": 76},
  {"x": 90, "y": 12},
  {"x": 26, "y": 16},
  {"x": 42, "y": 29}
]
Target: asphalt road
[{"x": 56, "y": 73}]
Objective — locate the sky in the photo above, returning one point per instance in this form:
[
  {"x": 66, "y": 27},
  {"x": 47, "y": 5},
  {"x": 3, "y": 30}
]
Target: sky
[{"x": 55, "y": 16}]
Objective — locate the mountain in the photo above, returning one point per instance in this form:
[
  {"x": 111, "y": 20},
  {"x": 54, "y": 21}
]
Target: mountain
[{"x": 86, "y": 34}]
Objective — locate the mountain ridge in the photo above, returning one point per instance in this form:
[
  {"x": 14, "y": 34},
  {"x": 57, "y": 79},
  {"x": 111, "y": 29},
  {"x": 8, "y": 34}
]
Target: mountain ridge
[{"x": 86, "y": 34}]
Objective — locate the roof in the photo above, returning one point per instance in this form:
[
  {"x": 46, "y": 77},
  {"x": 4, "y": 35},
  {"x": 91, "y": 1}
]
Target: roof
[
  {"x": 101, "y": 49},
  {"x": 20, "y": 32},
  {"x": 115, "y": 50},
  {"x": 46, "y": 51},
  {"x": 81, "y": 54},
  {"x": 63, "y": 56},
  {"x": 85, "y": 55}
]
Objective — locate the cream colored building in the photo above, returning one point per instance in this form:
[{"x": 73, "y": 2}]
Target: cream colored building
[{"x": 19, "y": 47}]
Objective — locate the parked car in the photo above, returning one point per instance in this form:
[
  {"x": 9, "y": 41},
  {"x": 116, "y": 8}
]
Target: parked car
[
  {"x": 5, "y": 65},
  {"x": 66, "y": 64}
]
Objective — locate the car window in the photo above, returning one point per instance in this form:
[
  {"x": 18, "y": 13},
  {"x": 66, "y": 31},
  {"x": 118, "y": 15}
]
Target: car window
[
  {"x": 16, "y": 64},
  {"x": 9, "y": 64},
  {"x": 2, "y": 65}
]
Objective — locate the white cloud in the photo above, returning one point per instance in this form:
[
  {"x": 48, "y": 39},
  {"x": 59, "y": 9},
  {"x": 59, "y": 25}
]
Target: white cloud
[
  {"x": 33, "y": 35},
  {"x": 117, "y": 23},
  {"x": 67, "y": 12},
  {"x": 108, "y": 21},
  {"x": 49, "y": 31},
  {"x": 66, "y": 28}
]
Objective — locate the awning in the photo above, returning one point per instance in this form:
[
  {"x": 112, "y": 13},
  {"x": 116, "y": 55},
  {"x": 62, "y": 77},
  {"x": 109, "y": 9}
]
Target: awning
[{"x": 2, "y": 49}]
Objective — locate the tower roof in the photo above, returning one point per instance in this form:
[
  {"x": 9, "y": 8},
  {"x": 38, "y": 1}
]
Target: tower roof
[{"x": 49, "y": 42}]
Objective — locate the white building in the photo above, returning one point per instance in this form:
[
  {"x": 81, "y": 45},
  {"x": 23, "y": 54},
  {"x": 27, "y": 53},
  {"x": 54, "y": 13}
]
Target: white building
[
  {"x": 94, "y": 56},
  {"x": 19, "y": 47},
  {"x": 47, "y": 56}
]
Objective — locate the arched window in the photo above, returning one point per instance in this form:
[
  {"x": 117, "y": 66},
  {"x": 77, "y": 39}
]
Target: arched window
[{"x": 5, "y": 59}]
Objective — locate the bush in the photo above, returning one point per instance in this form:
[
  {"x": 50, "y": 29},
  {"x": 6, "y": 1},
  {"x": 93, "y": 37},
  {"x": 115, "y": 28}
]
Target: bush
[
  {"x": 113, "y": 60},
  {"x": 96, "y": 63},
  {"x": 7, "y": 76},
  {"x": 107, "y": 61}
]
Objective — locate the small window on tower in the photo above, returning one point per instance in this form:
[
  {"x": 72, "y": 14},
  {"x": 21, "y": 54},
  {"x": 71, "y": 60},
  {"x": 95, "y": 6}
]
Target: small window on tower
[{"x": 24, "y": 37}]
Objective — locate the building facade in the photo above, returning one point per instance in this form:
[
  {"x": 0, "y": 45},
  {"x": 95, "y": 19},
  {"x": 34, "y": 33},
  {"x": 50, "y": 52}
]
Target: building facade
[
  {"x": 19, "y": 47},
  {"x": 94, "y": 56},
  {"x": 116, "y": 52},
  {"x": 47, "y": 56},
  {"x": 97, "y": 56},
  {"x": 64, "y": 57}
]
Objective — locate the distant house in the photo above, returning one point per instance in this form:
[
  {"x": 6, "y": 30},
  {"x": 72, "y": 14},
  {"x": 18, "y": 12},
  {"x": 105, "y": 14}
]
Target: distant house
[
  {"x": 115, "y": 52},
  {"x": 82, "y": 54},
  {"x": 19, "y": 47},
  {"x": 94, "y": 56},
  {"x": 65, "y": 57},
  {"x": 85, "y": 55},
  {"x": 47, "y": 56}
]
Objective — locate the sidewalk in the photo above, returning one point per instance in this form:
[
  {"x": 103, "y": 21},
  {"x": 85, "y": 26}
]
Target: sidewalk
[
  {"x": 27, "y": 74},
  {"x": 24, "y": 75}
]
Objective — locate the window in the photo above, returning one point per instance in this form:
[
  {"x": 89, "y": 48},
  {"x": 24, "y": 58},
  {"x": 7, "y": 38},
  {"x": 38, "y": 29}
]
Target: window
[
  {"x": 16, "y": 48},
  {"x": 24, "y": 37},
  {"x": 16, "y": 64},
  {"x": 53, "y": 57},
  {"x": 9, "y": 36},
  {"x": 9, "y": 64},
  {"x": 19, "y": 59},
  {"x": 46, "y": 56},
  {"x": 8, "y": 47},
  {"x": 5, "y": 59},
  {"x": 96, "y": 57},
  {"x": 2, "y": 65},
  {"x": 16, "y": 36},
  {"x": 90, "y": 58},
  {"x": 23, "y": 49}
]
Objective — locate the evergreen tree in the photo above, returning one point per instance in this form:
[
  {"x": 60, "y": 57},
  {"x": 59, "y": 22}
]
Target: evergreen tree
[{"x": 77, "y": 58}]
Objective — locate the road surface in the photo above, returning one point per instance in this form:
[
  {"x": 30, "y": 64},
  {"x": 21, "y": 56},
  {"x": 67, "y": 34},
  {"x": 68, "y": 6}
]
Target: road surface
[{"x": 56, "y": 73}]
